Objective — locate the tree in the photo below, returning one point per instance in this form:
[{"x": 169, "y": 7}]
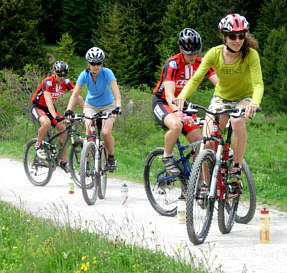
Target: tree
[
  {"x": 50, "y": 20},
  {"x": 20, "y": 41},
  {"x": 112, "y": 43},
  {"x": 274, "y": 62},
  {"x": 79, "y": 19},
  {"x": 272, "y": 15}
]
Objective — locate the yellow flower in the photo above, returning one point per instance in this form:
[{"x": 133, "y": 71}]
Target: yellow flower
[
  {"x": 95, "y": 260},
  {"x": 14, "y": 247},
  {"x": 84, "y": 258}
]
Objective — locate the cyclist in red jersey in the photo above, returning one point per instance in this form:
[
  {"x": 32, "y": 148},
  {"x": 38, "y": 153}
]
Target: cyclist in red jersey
[
  {"x": 43, "y": 109},
  {"x": 176, "y": 72}
]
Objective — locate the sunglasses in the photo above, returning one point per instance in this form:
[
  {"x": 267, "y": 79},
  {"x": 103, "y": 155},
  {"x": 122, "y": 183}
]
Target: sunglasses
[
  {"x": 94, "y": 64},
  {"x": 62, "y": 75},
  {"x": 233, "y": 37}
]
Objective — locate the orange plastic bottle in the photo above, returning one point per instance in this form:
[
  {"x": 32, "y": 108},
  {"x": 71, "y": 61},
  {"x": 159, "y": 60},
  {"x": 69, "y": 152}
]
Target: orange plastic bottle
[{"x": 264, "y": 227}]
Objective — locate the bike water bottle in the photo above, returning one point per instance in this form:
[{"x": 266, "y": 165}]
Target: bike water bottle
[
  {"x": 264, "y": 227},
  {"x": 125, "y": 193},
  {"x": 71, "y": 188},
  {"x": 181, "y": 210}
]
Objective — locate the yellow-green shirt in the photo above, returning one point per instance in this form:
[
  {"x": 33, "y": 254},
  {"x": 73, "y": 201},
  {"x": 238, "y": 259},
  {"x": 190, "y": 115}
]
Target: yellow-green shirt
[{"x": 235, "y": 81}]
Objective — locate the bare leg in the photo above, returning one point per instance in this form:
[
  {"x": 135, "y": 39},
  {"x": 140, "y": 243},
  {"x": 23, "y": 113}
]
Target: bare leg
[
  {"x": 45, "y": 124},
  {"x": 107, "y": 135},
  {"x": 174, "y": 126}
]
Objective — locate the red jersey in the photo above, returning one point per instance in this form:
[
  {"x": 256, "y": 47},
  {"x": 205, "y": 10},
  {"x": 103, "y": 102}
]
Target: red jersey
[
  {"x": 177, "y": 70},
  {"x": 49, "y": 84}
]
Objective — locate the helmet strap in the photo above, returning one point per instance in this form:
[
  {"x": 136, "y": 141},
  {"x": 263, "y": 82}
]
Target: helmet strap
[{"x": 231, "y": 50}]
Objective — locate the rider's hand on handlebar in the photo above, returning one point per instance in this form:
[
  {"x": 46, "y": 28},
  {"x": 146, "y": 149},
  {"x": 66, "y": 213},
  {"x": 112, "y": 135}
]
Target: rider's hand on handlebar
[
  {"x": 59, "y": 119},
  {"x": 250, "y": 110},
  {"x": 69, "y": 114},
  {"x": 180, "y": 103},
  {"x": 117, "y": 111}
]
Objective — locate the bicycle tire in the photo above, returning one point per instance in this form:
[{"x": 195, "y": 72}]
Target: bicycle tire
[
  {"x": 199, "y": 209},
  {"x": 103, "y": 172},
  {"x": 162, "y": 196},
  {"x": 36, "y": 168},
  {"x": 88, "y": 174},
  {"x": 247, "y": 201},
  {"x": 227, "y": 212},
  {"x": 74, "y": 161}
]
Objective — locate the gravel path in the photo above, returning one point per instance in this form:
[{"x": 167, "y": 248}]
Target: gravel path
[{"x": 239, "y": 251}]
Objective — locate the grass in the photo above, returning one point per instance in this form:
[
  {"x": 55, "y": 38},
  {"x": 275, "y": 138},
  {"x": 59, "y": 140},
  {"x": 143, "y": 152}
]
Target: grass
[{"x": 37, "y": 245}]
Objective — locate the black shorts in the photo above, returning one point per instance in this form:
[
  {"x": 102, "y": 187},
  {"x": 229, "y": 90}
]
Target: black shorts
[
  {"x": 161, "y": 109},
  {"x": 38, "y": 111}
]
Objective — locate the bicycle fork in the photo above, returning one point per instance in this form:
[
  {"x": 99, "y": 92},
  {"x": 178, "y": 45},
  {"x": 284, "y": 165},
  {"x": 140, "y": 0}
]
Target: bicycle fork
[{"x": 212, "y": 192}]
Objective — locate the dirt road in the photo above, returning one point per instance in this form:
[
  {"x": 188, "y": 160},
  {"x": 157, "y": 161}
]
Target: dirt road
[{"x": 239, "y": 251}]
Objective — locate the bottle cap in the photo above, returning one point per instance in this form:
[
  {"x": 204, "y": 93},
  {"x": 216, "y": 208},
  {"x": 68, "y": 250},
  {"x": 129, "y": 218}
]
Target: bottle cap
[{"x": 264, "y": 211}]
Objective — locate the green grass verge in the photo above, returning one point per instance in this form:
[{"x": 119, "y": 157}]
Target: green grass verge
[{"x": 36, "y": 245}]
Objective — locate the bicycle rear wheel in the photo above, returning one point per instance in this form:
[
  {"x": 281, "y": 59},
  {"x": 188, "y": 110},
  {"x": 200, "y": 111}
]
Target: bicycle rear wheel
[
  {"x": 74, "y": 161},
  {"x": 103, "y": 167},
  {"x": 39, "y": 171},
  {"x": 88, "y": 174},
  {"x": 162, "y": 190},
  {"x": 247, "y": 203},
  {"x": 199, "y": 208}
]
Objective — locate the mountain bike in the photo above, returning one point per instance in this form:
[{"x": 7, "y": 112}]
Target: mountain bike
[
  {"x": 94, "y": 162},
  {"x": 208, "y": 183},
  {"x": 164, "y": 190},
  {"x": 39, "y": 171}
]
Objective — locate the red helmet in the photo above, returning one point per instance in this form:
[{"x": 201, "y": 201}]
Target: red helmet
[{"x": 233, "y": 23}]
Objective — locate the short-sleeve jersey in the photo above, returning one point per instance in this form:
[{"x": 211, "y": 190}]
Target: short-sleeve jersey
[
  {"x": 99, "y": 92},
  {"x": 50, "y": 85},
  {"x": 177, "y": 70}
]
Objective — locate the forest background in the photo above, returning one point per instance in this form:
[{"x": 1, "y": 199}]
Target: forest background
[{"x": 138, "y": 36}]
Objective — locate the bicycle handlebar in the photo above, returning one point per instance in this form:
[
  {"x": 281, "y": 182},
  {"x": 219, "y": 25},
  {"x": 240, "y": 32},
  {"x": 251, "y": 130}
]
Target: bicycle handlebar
[{"x": 234, "y": 112}]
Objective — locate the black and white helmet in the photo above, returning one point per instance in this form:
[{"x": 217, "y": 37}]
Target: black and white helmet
[
  {"x": 95, "y": 55},
  {"x": 61, "y": 67},
  {"x": 189, "y": 41}
]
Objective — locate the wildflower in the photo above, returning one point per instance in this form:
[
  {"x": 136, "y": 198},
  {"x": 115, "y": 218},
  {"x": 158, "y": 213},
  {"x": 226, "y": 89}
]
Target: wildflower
[
  {"x": 15, "y": 247},
  {"x": 95, "y": 260},
  {"x": 65, "y": 255},
  {"x": 84, "y": 258}
]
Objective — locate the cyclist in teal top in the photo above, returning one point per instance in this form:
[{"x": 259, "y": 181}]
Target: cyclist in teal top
[
  {"x": 240, "y": 83},
  {"x": 103, "y": 96}
]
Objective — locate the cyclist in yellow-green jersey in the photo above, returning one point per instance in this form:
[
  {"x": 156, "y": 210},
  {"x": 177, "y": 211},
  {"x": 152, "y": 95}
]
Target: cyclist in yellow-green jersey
[{"x": 240, "y": 83}]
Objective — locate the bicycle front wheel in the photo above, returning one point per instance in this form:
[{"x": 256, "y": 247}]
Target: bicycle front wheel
[
  {"x": 74, "y": 161},
  {"x": 39, "y": 171},
  {"x": 162, "y": 190},
  {"x": 247, "y": 203},
  {"x": 199, "y": 208},
  {"x": 103, "y": 168},
  {"x": 88, "y": 173},
  {"x": 227, "y": 208}
]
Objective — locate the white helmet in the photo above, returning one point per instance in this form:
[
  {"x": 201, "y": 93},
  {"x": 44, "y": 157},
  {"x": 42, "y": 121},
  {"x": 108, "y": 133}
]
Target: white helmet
[{"x": 95, "y": 55}]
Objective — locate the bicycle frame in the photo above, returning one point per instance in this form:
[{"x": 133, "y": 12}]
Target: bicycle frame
[
  {"x": 221, "y": 150},
  {"x": 97, "y": 121},
  {"x": 70, "y": 135}
]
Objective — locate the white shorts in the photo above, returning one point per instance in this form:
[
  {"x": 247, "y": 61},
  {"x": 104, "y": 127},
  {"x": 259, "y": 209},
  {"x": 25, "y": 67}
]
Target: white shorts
[{"x": 220, "y": 104}]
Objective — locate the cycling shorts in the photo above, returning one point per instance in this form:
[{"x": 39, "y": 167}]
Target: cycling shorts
[
  {"x": 38, "y": 111},
  {"x": 161, "y": 109}
]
